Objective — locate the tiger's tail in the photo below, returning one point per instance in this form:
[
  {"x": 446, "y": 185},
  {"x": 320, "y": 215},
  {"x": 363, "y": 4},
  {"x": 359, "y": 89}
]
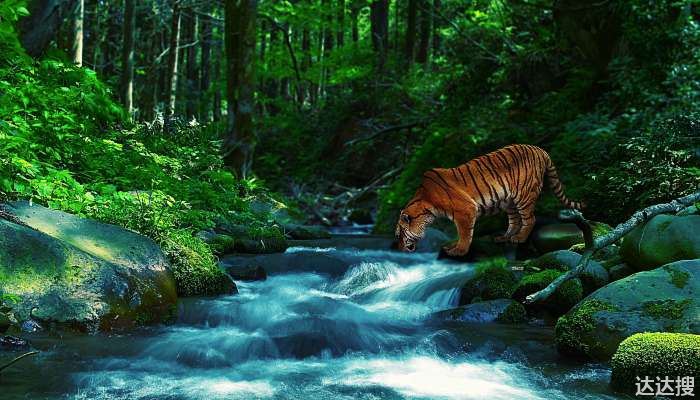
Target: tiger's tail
[{"x": 558, "y": 188}]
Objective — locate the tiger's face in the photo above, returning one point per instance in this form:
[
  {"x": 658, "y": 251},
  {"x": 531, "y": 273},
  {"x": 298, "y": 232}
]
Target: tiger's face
[{"x": 412, "y": 223}]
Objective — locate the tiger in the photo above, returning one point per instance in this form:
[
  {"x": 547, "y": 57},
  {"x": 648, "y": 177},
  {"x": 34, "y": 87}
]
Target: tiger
[{"x": 508, "y": 179}]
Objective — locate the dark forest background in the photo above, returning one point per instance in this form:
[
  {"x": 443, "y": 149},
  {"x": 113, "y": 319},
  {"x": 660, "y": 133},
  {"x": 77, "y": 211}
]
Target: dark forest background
[{"x": 334, "y": 108}]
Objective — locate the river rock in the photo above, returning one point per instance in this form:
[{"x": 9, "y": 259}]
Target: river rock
[
  {"x": 565, "y": 297},
  {"x": 663, "y": 299},
  {"x": 489, "y": 283},
  {"x": 501, "y": 310},
  {"x": 620, "y": 271},
  {"x": 592, "y": 278},
  {"x": 70, "y": 272},
  {"x": 663, "y": 239},
  {"x": 306, "y": 232},
  {"x": 246, "y": 272},
  {"x": 260, "y": 246},
  {"x": 433, "y": 240}
]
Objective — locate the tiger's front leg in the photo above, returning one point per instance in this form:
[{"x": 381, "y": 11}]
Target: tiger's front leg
[{"x": 465, "y": 229}]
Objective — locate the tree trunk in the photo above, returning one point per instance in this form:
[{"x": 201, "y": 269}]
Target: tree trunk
[
  {"x": 354, "y": 17},
  {"x": 437, "y": 5},
  {"x": 128, "y": 56},
  {"x": 216, "y": 104},
  {"x": 424, "y": 44},
  {"x": 191, "y": 89},
  {"x": 379, "y": 15},
  {"x": 205, "y": 67},
  {"x": 410, "y": 43},
  {"x": 328, "y": 28},
  {"x": 341, "y": 23},
  {"x": 171, "y": 84},
  {"x": 240, "y": 40},
  {"x": 40, "y": 27},
  {"x": 77, "y": 30}
]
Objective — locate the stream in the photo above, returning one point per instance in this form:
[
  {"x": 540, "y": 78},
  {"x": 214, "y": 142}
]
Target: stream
[{"x": 364, "y": 331}]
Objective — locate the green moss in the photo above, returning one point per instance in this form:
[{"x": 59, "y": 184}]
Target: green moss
[
  {"x": 678, "y": 278},
  {"x": 493, "y": 280},
  {"x": 671, "y": 309},
  {"x": 513, "y": 314},
  {"x": 194, "y": 267},
  {"x": 565, "y": 297},
  {"x": 652, "y": 355},
  {"x": 573, "y": 327},
  {"x": 221, "y": 244}
]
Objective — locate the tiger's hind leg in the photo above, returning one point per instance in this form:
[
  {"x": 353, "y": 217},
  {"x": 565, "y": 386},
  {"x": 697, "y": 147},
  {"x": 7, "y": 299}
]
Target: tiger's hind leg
[
  {"x": 514, "y": 223},
  {"x": 527, "y": 221}
]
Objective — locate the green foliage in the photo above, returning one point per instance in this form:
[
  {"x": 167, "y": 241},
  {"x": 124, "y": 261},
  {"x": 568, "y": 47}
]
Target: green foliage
[
  {"x": 65, "y": 143},
  {"x": 655, "y": 354},
  {"x": 620, "y": 143},
  {"x": 573, "y": 326}
]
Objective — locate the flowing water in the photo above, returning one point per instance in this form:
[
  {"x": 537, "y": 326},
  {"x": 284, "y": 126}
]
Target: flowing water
[{"x": 366, "y": 333}]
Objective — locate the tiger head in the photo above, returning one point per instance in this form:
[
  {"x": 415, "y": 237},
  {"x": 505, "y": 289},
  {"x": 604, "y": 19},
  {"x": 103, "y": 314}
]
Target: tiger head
[{"x": 412, "y": 223}]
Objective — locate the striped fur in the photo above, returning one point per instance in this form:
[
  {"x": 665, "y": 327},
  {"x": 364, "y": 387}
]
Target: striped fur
[{"x": 509, "y": 179}]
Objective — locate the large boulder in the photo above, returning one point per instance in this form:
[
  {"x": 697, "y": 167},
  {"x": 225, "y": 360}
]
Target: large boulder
[
  {"x": 592, "y": 278},
  {"x": 664, "y": 299},
  {"x": 663, "y": 239},
  {"x": 652, "y": 355},
  {"x": 500, "y": 310},
  {"x": 80, "y": 274}
]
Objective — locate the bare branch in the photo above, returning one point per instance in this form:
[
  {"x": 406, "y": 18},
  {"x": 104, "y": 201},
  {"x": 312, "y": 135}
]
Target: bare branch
[
  {"x": 31, "y": 353},
  {"x": 613, "y": 236}
]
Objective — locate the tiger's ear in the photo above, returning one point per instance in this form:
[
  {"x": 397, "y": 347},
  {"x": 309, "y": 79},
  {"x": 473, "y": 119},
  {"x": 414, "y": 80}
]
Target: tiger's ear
[{"x": 405, "y": 218}]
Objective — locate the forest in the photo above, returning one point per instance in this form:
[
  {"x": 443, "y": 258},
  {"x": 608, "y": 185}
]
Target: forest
[{"x": 222, "y": 129}]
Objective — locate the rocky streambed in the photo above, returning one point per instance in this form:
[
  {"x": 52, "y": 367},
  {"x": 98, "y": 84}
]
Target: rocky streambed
[
  {"x": 343, "y": 316},
  {"x": 328, "y": 322}
]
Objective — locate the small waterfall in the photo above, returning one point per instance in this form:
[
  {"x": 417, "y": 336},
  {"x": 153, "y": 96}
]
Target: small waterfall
[{"x": 352, "y": 332}]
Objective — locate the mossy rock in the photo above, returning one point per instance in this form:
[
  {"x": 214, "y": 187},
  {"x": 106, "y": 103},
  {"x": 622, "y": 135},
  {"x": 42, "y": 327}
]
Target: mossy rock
[
  {"x": 662, "y": 240},
  {"x": 500, "y": 310},
  {"x": 593, "y": 277},
  {"x": 83, "y": 275},
  {"x": 565, "y": 297},
  {"x": 661, "y": 300},
  {"x": 655, "y": 355},
  {"x": 490, "y": 282}
]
